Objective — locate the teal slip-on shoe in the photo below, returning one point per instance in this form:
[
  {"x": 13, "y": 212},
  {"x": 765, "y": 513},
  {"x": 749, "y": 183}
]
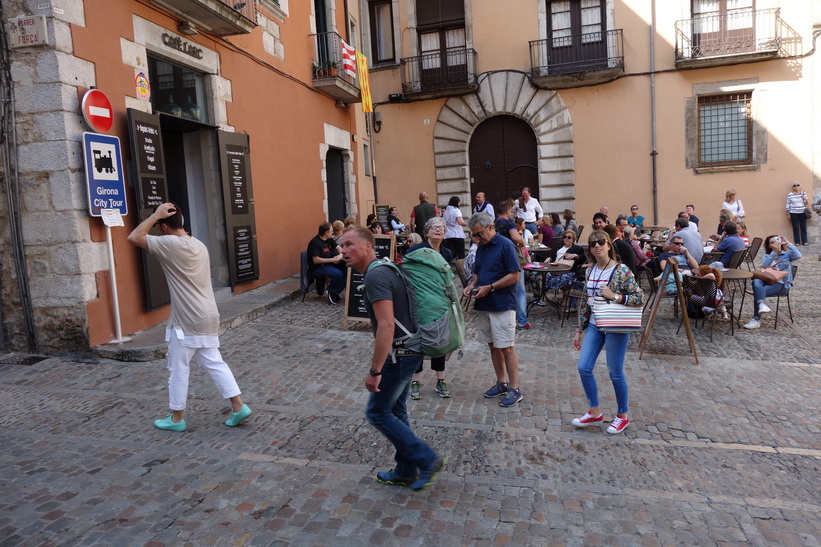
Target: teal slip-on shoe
[
  {"x": 168, "y": 425},
  {"x": 238, "y": 417}
]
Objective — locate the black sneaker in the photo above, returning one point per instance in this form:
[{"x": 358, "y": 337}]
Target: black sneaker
[
  {"x": 442, "y": 389},
  {"x": 333, "y": 300}
]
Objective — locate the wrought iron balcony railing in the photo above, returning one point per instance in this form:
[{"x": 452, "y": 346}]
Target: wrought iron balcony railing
[
  {"x": 577, "y": 53},
  {"x": 734, "y": 34},
  {"x": 331, "y": 74},
  {"x": 452, "y": 70},
  {"x": 328, "y": 61}
]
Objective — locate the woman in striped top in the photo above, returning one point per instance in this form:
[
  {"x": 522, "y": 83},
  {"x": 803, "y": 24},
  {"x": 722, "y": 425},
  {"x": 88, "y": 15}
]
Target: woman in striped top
[{"x": 796, "y": 209}]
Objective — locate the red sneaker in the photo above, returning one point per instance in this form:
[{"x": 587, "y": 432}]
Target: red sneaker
[
  {"x": 587, "y": 420},
  {"x": 618, "y": 425}
]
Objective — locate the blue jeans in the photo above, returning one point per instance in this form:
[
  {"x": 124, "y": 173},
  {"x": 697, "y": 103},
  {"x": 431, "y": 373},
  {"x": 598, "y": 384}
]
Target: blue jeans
[
  {"x": 532, "y": 228},
  {"x": 761, "y": 291},
  {"x": 334, "y": 276},
  {"x": 799, "y": 228},
  {"x": 521, "y": 301},
  {"x": 615, "y": 344},
  {"x": 387, "y": 411}
]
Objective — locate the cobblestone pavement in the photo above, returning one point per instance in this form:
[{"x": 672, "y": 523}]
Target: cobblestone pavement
[{"x": 726, "y": 451}]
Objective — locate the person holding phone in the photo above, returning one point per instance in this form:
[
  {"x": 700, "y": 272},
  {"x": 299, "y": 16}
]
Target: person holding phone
[{"x": 780, "y": 256}]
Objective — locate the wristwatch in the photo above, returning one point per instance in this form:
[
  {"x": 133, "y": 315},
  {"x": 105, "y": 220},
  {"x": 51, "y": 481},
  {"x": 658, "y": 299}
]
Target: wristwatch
[
  {"x": 492, "y": 288},
  {"x": 376, "y": 372}
]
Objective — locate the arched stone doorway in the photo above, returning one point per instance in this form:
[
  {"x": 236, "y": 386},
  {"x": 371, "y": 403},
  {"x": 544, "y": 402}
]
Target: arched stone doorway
[
  {"x": 507, "y": 93},
  {"x": 503, "y": 158}
]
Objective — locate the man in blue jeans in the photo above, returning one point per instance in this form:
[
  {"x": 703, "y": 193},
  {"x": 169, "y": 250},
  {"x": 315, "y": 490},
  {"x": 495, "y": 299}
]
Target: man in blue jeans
[{"x": 392, "y": 368}]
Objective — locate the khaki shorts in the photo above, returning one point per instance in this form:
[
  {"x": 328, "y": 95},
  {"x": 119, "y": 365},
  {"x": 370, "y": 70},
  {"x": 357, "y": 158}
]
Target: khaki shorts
[{"x": 497, "y": 328}]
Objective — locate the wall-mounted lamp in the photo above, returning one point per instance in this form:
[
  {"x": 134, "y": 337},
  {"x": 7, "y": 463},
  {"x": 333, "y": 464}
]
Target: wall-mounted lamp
[
  {"x": 186, "y": 27},
  {"x": 377, "y": 121}
]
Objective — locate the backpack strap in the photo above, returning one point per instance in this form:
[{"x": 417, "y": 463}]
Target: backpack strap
[{"x": 408, "y": 333}]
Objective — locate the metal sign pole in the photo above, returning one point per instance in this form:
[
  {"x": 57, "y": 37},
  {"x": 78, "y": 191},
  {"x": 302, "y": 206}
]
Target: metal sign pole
[{"x": 112, "y": 275}]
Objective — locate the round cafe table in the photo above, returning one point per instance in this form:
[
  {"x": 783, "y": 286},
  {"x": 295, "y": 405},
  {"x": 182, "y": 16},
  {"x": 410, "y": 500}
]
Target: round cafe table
[
  {"x": 650, "y": 228},
  {"x": 543, "y": 271}
]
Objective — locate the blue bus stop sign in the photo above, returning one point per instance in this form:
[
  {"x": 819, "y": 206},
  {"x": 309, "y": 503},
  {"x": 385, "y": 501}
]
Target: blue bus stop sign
[{"x": 104, "y": 174}]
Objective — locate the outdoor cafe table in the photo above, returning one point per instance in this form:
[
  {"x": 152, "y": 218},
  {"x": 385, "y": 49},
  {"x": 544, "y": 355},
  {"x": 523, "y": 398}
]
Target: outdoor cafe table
[
  {"x": 539, "y": 251},
  {"x": 737, "y": 278},
  {"x": 543, "y": 271}
]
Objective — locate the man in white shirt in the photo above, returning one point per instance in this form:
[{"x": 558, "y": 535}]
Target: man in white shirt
[
  {"x": 528, "y": 209},
  {"x": 193, "y": 325},
  {"x": 483, "y": 205}
]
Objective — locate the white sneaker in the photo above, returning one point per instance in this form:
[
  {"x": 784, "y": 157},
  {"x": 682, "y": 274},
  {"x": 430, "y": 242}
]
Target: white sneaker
[
  {"x": 764, "y": 308},
  {"x": 753, "y": 324}
]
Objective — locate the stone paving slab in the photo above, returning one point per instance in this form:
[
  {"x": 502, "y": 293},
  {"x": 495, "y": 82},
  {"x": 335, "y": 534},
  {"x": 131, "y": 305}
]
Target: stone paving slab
[{"x": 726, "y": 451}]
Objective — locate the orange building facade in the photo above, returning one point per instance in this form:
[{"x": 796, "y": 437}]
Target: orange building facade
[{"x": 240, "y": 112}]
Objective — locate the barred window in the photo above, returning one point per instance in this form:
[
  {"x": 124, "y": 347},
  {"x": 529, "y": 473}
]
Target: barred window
[{"x": 725, "y": 130}]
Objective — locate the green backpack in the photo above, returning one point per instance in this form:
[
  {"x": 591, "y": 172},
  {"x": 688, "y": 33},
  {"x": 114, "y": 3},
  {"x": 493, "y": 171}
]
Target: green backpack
[{"x": 433, "y": 303}]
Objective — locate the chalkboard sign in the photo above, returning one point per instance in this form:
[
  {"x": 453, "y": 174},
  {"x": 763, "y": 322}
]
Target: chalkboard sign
[
  {"x": 382, "y": 212},
  {"x": 355, "y": 285}
]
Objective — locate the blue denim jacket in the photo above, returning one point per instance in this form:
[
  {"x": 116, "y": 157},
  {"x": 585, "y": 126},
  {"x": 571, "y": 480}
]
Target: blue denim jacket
[{"x": 782, "y": 262}]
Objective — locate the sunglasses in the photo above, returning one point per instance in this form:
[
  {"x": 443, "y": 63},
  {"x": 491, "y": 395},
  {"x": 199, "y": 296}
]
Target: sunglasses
[
  {"x": 676, "y": 243},
  {"x": 477, "y": 234},
  {"x": 634, "y": 209},
  {"x": 795, "y": 185},
  {"x": 598, "y": 242},
  {"x": 567, "y": 237}
]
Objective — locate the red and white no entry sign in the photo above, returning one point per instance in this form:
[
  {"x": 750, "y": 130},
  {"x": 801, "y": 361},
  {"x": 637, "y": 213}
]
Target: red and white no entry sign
[{"x": 97, "y": 111}]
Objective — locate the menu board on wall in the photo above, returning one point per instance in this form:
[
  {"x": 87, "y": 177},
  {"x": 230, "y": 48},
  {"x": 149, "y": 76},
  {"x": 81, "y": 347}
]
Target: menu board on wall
[
  {"x": 238, "y": 199},
  {"x": 382, "y": 212},
  {"x": 235, "y": 158},
  {"x": 151, "y": 190}
]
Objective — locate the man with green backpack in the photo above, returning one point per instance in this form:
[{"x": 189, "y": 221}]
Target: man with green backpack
[{"x": 391, "y": 307}]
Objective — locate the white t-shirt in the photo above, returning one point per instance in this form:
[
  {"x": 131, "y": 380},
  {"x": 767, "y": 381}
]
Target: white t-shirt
[
  {"x": 736, "y": 208},
  {"x": 528, "y": 238},
  {"x": 187, "y": 268},
  {"x": 452, "y": 226}
]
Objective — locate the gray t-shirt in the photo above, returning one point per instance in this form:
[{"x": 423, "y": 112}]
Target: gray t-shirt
[
  {"x": 384, "y": 283},
  {"x": 187, "y": 269}
]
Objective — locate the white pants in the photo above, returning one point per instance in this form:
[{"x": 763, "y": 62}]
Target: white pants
[{"x": 179, "y": 358}]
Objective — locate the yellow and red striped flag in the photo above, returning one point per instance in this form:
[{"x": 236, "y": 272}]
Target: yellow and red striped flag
[{"x": 364, "y": 82}]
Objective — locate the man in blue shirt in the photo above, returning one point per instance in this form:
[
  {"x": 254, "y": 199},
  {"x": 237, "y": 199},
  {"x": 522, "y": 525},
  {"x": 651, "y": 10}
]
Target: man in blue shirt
[
  {"x": 493, "y": 285},
  {"x": 732, "y": 242}
]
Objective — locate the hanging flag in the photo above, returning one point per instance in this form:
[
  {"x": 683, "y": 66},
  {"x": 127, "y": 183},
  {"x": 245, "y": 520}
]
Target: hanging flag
[
  {"x": 348, "y": 59},
  {"x": 364, "y": 82}
]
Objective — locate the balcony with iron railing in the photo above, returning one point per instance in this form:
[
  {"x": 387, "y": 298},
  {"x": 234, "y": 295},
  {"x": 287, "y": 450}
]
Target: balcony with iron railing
[
  {"x": 731, "y": 38},
  {"x": 577, "y": 60},
  {"x": 222, "y": 17},
  {"x": 440, "y": 74},
  {"x": 330, "y": 74}
]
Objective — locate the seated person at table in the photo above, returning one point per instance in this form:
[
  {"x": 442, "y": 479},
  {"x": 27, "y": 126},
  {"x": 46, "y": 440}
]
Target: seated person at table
[
  {"x": 338, "y": 227},
  {"x": 723, "y": 218},
  {"x": 524, "y": 232},
  {"x": 691, "y": 210},
  {"x": 635, "y": 219},
  {"x": 642, "y": 256},
  {"x": 599, "y": 221},
  {"x": 708, "y": 272},
  {"x": 780, "y": 256},
  {"x": 376, "y": 227},
  {"x": 624, "y": 250},
  {"x": 555, "y": 224},
  {"x": 544, "y": 233},
  {"x": 689, "y": 234},
  {"x": 741, "y": 228},
  {"x": 678, "y": 252},
  {"x": 568, "y": 251},
  {"x": 326, "y": 263},
  {"x": 370, "y": 219},
  {"x": 621, "y": 224},
  {"x": 730, "y": 243},
  {"x": 395, "y": 227}
]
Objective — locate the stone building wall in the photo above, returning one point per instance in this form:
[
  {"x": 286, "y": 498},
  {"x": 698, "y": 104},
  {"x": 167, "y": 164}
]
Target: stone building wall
[{"x": 61, "y": 257}]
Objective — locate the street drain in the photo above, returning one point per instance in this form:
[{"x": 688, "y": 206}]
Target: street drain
[{"x": 21, "y": 359}]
